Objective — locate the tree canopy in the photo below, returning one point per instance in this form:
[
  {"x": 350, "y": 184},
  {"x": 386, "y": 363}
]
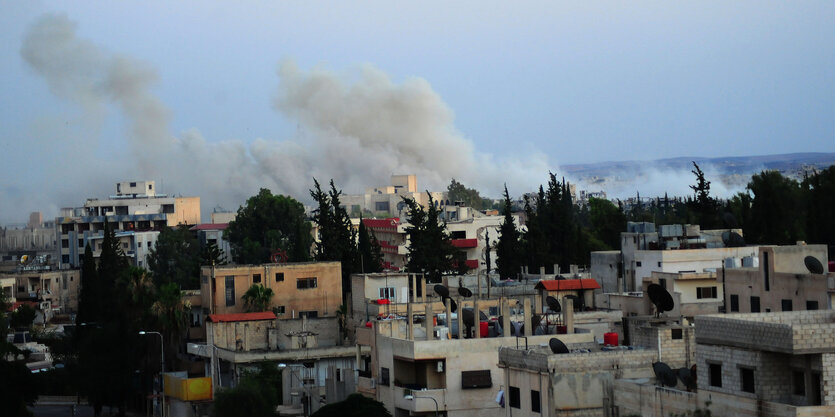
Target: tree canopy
[
  {"x": 356, "y": 405},
  {"x": 508, "y": 249},
  {"x": 469, "y": 196},
  {"x": 176, "y": 258},
  {"x": 266, "y": 224},
  {"x": 257, "y": 298},
  {"x": 337, "y": 237},
  {"x": 430, "y": 246}
]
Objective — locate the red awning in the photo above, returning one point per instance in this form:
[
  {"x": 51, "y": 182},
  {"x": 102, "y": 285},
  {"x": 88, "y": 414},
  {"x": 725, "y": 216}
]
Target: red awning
[{"x": 567, "y": 284}]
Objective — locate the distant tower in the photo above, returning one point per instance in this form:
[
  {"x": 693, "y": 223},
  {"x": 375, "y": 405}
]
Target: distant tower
[{"x": 35, "y": 219}]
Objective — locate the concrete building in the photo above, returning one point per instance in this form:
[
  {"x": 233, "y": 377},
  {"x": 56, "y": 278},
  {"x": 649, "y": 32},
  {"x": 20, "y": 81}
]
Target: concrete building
[
  {"x": 780, "y": 282},
  {"x": 580, "y": 383},
  {"x": 52, "y": 291},
  {"x": 693, "y": 293},
  {"x": 392, "y": 239},
  {"x": 387, "y": 200},
  {"x": 214, "y": 234},
  {"x": 760, "y": 364},
  {"x": 310, "y": 289},
  {"x": 136, "y": 246},
  {"x": 37, "y": 238},
  {"x": 134, "y": 208}
]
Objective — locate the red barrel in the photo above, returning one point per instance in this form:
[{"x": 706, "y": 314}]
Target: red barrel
[
  {"x": 610, "y": 339},
  {"x": 484, "y": 329}
]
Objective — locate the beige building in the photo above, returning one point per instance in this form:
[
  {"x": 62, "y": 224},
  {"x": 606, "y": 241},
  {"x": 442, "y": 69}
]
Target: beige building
[
  {"x": 136, "y": 207},
  {"x": 694, "y": 293},
  {"x": 781, "y": 281},
  {"x": 55, "y": 291},
  {"x": 310, "y": 289},
  {"x": 387, "y": 200}
]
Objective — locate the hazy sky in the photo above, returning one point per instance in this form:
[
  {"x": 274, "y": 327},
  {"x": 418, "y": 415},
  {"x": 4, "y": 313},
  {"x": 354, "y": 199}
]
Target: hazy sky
[{"x": 219, "y": 98}]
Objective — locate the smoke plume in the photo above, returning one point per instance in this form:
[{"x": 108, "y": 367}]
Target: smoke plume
[{"x": 358, "y": 127}]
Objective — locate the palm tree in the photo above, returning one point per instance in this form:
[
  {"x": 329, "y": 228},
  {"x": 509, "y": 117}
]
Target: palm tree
[
  {"x": 257, "y": 298},
  {"x": 172, "y": 313}
]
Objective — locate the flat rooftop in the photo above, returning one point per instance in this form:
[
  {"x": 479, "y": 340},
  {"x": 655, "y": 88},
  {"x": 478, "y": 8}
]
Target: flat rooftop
[{"x": 793, "y": 332}]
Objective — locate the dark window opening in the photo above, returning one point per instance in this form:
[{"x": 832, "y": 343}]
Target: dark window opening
[
  {"x": 811, "y": 305},
  {"x": 746, "y": 376},
  {"x": 662, "y": 281},
  {"x": 458, "y": 234},
  {"x": 715, "y": 374},
  {"x": 755, "y": 304},
  {"x": 256, "y": 278},
  {"x": 535, "y": 401},
  {"x": 230, "y": 291},
  {"x": 705, "y": 292},
  {"x": 476, "y": 379},
  {"x": 306, "y": 283},
  {"x": 786, "y": 305},
  {"x": 309, "y": 314},
  {"x": 513, "y": 395},
  {"x": 675, "y": 334},
  {"x": 765, "y": 271},
  {"x": 279, "y": 310},
  {"x": 279, "y": 277},
  {"x": 384, "y": 376},
  {"x": 168, "y": 208},
  {"x": 799, "y": 383},
  {"x": 638, "y": 263},
  {"x": 734, "y": 303}
]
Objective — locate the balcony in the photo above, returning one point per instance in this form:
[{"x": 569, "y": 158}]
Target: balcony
[
  {"x": 465, "y": 243},
  {"x": 422, "y": 403}
]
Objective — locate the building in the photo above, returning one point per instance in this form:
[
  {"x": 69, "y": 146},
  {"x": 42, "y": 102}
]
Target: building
[
  {"x": 310, "y": 289},
  {"x": 214, "y": 234},
  {"x": 780, "y": 281},
  {"x": 136, "y": 246},
  {"x": 693, "y": 293},
  {"x": 387, "y": 200},
  {"x": 392, "y": 239},
  {"x": 134, "y": 208},
  {"x": 52, "y": 291}
]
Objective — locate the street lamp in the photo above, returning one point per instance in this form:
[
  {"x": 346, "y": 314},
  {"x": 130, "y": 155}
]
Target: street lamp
[
  {"x": 161, "y": 367},
  {"x": 309, "y": 401},
  {"x": 410, "y": 397}
]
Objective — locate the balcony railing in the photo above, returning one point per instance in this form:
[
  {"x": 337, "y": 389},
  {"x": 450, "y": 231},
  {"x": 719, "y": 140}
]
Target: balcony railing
[{"x": 422, "y": 402}]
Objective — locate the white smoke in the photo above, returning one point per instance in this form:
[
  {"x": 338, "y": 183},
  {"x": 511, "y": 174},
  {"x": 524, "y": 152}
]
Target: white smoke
[{"x": 357, "y": 128}]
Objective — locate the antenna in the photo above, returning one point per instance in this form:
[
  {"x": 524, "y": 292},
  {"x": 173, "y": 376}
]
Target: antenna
[
  {"x": 661, "y": 298},
  {"x": 557, "y": 346},
  {"x": 813, "y": 265},
  {"x": 663, "y": 374}
]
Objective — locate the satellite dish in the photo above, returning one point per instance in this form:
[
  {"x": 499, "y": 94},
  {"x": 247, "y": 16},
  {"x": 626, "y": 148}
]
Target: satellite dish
[
  {"x": 732, "y": 239},
  {"x": 557, "y": 346},
  {"x": 453, "y": 306},
  {"x": 536, "y": 319},
  {"x": 730, "y": 220},
  {"x": 813, "y": 265},
  {"x": 686, "y": 376},
  {"x": 661, "y": 298},
  {"x": 553, "y": 304},
  {"x": 465, "y": 292},
  {"x": 441, "y": 290},
  {"x": 663, "y": 374}
]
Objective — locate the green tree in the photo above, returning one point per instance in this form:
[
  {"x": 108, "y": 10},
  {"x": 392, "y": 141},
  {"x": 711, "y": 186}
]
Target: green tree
[
  {"x": 176, "y": 257},
  {"x": 172, "y": 313},
  {"x": 257, "y": 298},
  {"x": 356, "y": 405},
  {"x": 777, "y": 211},
  {"x": 430, "y": 247},
  {"x": 266, "y": 224},
  {"x": 257, "y": 394},
  {"x": 17, "y": 386},
  {"x": 23, "y": 317},
  {"x": 337, "y": 237},
  {"x": 819, "y": 190},
  {"x": 704, "y": 207},
  {"x": 607, "y": 222},
  {"x": 508, "y": 249},
  {"x": 457, "y": 192},
  {"x": 370, "y": 254}
]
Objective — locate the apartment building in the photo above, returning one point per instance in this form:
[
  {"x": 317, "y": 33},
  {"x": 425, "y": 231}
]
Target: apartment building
[
  {"x": 387, "y": 200},
  {"x": 136, "y": 207}
]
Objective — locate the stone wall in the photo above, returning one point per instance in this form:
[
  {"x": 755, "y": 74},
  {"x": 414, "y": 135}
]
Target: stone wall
[{"x": 788, "y": 332}]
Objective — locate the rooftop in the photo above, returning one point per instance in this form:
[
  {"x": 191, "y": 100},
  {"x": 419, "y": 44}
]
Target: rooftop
[{"x": 793, "y": 332}]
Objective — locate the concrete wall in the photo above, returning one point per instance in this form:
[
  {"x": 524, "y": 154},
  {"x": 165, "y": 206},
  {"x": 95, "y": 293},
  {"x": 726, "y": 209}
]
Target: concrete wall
[
  {"x": 324, "y": 299},
  {"x": 605, "y": 266},
  {"x": 241, "y": 336},
  {"x": 325, "y": 328},
  {"x": 797, "y": 287},
  {"x": 697, "y": 260}
]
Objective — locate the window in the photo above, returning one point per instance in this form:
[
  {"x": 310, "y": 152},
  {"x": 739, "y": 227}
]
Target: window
[
  {"x": 150, "y": 186},
  {"x": 80, "y": 243},
  {"x": 476, "y": 379},
  {"x": 205, "y": 279},
  {"x": 279, "y": 310},
  {"x": 755, "y": 304},
  {"x": 715, "y": 374},
  {"x": 493, "y": 311},
  {"x": 765, "y": 271},
  {"x": 734, "y": 303},
  {"x": 811, "y": 305},
  {"x": 799, "y": 383},
  {"x": 279, "y": 277},
  {"x": 706, "y": 292},
  {"x": 675, "y": 334},
  {"x": 230, "y": 291},
  {"x": 133, "y": 184},
  {"x": 638, "y": 263},
  {"x": 309, "y": 314},
  {"x": 534, "y": 401},
  {"x": 513, "y": 395},
  {"x": 124, "y": 245},
  {"x": 64, "y": 282},
  {"x": 659, "y": 264},
  {"x": 458, "y": 234},
  {"x": 384, "y": 376},
  {"x": 139, "y": 244},
  {"x": 256, "y": 278},
  {"x": 381, "y": 206},
  {"x": 662, "y": 282},
  {"x": 746, "y": 376},
  {"x": 65, "y": 259},
  {"x": 786, "y": 305},
  {"x": 387, "y": 292},
  {"x": 168, "y": 208},
  {"x": 306, "y": 283},
  {"x": 65, "y": 243}
]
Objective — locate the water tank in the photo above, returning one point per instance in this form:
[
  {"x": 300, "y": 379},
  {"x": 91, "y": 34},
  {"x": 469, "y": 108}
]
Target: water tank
[
  {"x": 484, "y": 328},
  {"x": 610, "y": 339}
]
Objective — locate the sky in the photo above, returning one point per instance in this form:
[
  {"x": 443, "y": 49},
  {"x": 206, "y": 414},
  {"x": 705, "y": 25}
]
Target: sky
[{"x": 218, "y": 99}]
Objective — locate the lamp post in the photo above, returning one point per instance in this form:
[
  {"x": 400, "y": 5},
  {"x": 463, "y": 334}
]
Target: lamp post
[
  {"x": 411, "y": 397},
  {"x": 308, "y": 401},
  {"x": 161, "y": 367}
]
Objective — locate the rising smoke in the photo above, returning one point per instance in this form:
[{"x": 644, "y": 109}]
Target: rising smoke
[{"x": 358, "y": 128}]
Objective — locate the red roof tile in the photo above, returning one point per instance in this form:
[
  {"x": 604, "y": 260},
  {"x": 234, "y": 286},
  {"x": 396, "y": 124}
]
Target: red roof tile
[
  {"x": 210, "y": 226},
  {"x": 218, "y": 318},
  {"x": 567, "y": 284}
]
